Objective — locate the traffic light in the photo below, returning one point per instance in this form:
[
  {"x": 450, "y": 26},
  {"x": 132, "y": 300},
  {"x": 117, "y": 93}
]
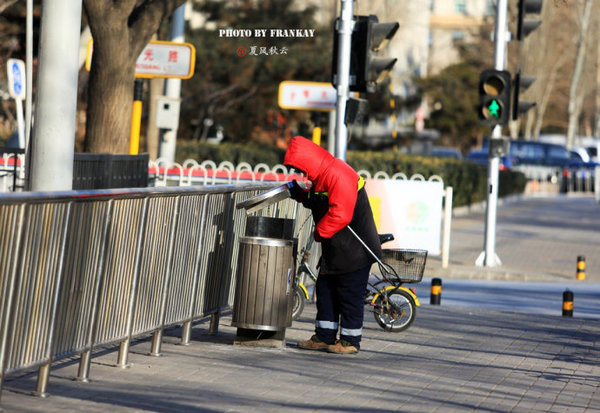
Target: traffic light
[
  {"x": 494, "y": 97},
  {"x": 521, "y": 83},
  {"x": 365, "y": 65},
  {"x": 526, "y": 27}
]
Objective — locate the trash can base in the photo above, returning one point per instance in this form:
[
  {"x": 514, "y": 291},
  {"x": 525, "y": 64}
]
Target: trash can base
[{"x": 260, "y": 338}]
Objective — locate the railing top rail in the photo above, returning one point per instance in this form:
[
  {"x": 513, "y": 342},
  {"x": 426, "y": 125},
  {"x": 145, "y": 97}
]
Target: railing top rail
[{"x": 118, "y": 193}]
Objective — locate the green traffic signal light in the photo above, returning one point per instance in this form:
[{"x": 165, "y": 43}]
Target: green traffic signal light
[
  {"x": 494, "y": 97},
  {"x": 494, "y": 109}
]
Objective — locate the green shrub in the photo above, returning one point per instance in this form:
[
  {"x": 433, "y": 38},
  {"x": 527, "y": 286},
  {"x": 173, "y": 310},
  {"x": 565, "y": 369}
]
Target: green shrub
[{"x": 468, "y": 180}]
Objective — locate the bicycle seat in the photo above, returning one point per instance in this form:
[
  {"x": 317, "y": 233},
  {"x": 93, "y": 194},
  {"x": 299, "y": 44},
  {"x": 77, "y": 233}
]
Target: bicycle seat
[{"x": 383, "y": 238}]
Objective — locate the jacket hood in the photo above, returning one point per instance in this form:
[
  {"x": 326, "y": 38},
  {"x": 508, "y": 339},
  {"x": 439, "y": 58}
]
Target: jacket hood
[{"x": 307, "y": 156}]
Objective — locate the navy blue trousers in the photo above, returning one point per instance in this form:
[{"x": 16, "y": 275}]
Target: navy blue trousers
[{"x": 340, "y": 306}]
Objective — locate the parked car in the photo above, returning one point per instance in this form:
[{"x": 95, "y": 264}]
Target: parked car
[
  {"x": 446, "y": 152},
  {"x": 537, "y": 153},
  {"x": 480, "y": 157}
]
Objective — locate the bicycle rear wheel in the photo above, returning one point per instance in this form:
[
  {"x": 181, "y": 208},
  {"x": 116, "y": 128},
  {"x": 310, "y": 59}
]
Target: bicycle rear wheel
[
  {"x": 298, "y": 302},
  {"x": 395, "y": 310}
]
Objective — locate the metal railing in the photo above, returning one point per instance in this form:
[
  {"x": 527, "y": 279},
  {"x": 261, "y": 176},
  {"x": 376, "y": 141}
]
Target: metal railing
[{"x": 84, "y": 269}]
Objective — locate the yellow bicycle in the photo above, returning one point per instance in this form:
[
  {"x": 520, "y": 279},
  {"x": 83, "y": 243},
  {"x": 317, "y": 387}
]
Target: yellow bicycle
[{"x": 393, "y": 305}]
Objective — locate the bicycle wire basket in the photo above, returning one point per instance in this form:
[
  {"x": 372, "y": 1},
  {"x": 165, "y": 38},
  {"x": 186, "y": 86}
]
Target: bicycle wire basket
[{"x": 408, "y": 264}]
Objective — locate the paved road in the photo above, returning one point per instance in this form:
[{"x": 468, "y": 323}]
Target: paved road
[
  {"x": 537, "y": 238},
  {"x": 522, "y": 297}
]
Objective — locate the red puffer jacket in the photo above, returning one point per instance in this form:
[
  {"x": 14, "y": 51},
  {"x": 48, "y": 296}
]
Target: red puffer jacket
[{"x": 336, "y": 201}]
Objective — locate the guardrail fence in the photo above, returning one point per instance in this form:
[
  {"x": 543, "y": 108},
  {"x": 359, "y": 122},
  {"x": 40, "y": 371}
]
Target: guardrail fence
[
  {"x": 81, "y": 270},
  {"x": 85, "y": 269}
]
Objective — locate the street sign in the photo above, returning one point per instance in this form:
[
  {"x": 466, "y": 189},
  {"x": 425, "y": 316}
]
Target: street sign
[
  {"x": 159, "y": 59},
  {"x": 307, "y": 95},
  {"x": 16, "y": 78},
  {"x": 16, "y": 89}
]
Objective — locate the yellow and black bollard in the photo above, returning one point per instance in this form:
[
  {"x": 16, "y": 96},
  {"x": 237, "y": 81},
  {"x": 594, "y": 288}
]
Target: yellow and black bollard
[
  {"x": 581, "y": 267},
  {"x": 567, "y": 309},
  {"x": 436, "y": 291}
]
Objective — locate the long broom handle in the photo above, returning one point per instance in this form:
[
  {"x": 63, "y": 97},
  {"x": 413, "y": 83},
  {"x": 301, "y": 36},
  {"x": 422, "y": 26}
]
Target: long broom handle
[{"x": 366, "y": 247}]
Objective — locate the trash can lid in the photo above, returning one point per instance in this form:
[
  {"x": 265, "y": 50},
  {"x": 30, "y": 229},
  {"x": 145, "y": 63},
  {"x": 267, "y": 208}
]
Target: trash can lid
[
  {"x": 265, "y": 199},
  {"x": 269, "y": 242}
]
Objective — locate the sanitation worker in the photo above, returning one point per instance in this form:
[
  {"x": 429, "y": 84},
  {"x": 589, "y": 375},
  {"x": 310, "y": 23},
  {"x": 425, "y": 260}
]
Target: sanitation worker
[{"x": 337, "y": 199}]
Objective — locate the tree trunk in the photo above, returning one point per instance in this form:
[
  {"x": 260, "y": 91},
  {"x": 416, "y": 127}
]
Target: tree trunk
[
  {"x": 110, "y": 98},
  {"x": 545, "y": 98},
  {"x": 574, "y": 107},
  {"x": 120, "y": 30}
]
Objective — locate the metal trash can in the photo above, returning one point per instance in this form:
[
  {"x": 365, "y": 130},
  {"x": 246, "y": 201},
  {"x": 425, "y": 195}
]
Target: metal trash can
[
  {"x": 265, "y": 280},
  {"x": 263, "y": 301},
  {"x": 267, "y": 227}
]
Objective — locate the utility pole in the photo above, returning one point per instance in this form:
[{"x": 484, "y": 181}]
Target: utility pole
[
  {"x": 168, "y": 139},
  {"x": 488, "y": 257},
  {"x": 342, "y": 84},
  {"x": 53, "y": 144}
]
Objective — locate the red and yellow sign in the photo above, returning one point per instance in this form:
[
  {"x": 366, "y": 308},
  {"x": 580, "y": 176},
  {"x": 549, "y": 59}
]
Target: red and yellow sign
[{"x": 159, "y": 59}]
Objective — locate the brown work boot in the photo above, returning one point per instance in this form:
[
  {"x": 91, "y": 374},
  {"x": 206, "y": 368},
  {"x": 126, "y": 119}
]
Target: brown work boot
[
  {"x": 313, "y": 343},
  {"x": 342, "y": 347}
]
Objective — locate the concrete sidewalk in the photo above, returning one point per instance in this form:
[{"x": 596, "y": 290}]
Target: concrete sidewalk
[{"x": 450, "y": 360}]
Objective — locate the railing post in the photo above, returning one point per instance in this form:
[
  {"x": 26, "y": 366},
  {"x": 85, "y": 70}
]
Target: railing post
[
  {"x": 124, "y": 346},
  {"x": 83, "y": 373},
  {"x": 9, "y": 292},
  {"x": 213, "y": 329},
  {"x": 42, "y": 381},
  {"x": 157, "y": 338},
  {"x": 44, "y": 371},
  {"x": 224, "y": 254},
  {"x": 447, "y": 226},
  {"x": 186, "y": 332}
]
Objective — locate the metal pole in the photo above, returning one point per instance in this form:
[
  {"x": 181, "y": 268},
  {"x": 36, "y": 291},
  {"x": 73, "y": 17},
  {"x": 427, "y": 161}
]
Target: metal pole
[
  {"x": 53, "y": 143},
  {"x": 168, "y": 140},
  {"x": 488, "y": 257},
  {"x": 29, "y": 71},
  {"x": 346, "y": 24},
  {"x": 28, "y": 91},
  {"x": 331, "y": 132}
]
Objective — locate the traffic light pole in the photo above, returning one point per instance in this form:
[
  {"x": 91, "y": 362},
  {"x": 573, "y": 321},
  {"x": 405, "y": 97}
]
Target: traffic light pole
[
  {"x": 53, "y": 143},
  {"x": 344, "y": 33},
  {"x": 488, "y": 257}
]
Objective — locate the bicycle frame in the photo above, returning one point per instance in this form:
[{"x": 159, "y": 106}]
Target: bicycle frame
[
  {"x": 392, "y": 304},
  {"x": 392, "y": 287},
  {"x": 305, "y": 269}
]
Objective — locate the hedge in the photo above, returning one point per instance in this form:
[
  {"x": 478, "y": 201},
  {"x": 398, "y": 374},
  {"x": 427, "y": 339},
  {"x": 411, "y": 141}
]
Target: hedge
[{"x": 469, "y": 181}]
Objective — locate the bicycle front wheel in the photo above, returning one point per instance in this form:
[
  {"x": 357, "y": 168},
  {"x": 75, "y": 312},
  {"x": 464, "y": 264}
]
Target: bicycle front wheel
[{"x": 395, "y": 310}]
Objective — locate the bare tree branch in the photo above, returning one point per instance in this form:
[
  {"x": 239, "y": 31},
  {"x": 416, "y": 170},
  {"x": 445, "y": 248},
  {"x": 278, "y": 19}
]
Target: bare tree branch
[
  {"x": 6, "y": 4},
  {"x": 575, "y": 106}
]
